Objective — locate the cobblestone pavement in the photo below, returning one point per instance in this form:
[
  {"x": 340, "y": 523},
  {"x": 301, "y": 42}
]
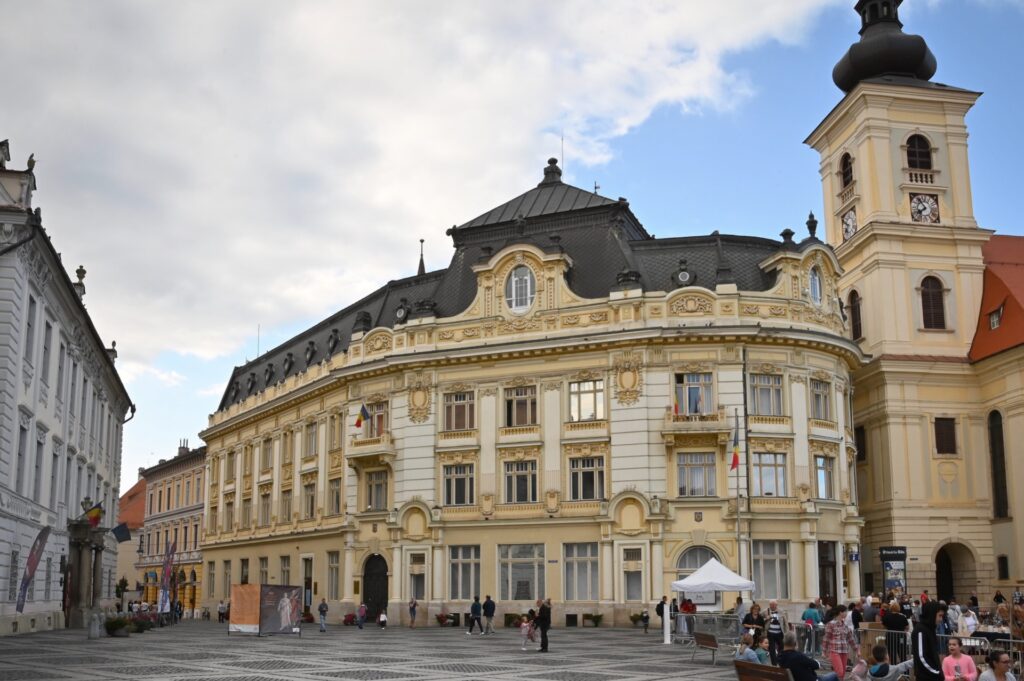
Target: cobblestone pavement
[{"x": 203, "y": 651}]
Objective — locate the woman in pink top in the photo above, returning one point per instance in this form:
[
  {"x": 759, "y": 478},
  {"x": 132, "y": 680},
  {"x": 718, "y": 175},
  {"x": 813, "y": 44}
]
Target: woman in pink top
[{"x": 957, "y": 666}]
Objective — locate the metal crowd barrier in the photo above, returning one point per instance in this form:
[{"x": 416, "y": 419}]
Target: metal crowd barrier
[
  {"x": 1015, "y": 647},
  {"x": 724, "y": 627},
  {"x": 971, "y": 645}
]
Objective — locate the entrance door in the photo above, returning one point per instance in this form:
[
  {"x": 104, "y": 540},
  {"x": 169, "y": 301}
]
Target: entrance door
[
  {"x": 307, "y": 584},
  {"x": 943, "y": 575},
  {"x": 827, "y": 571},
  {"x": 375, "y": 586}
]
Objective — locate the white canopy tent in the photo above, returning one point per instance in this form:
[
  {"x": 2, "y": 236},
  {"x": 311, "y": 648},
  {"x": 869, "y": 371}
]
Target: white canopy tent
[{"x": 713, "y": 576}]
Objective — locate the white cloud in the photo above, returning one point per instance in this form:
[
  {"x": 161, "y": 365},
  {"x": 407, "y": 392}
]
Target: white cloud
[
  {"x": 132, "y": 371},
  {"x": 215, "y": 390},
  {"x": 219, "y": 165}
]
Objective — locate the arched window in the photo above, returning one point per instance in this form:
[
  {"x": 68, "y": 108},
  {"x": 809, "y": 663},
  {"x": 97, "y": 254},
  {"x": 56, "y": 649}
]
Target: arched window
[
  {"x": 693, "y": 558},
  {"x": 815, "y": 286},
  {"x": 520, "y": 289},
  {"x": 856, "y": 330},
  {"x": 1000, "y": 500},
  {"x": 933, "y": 309},
  {"x": 919, "y": 153},
  {"x": 846, "y": 170}
]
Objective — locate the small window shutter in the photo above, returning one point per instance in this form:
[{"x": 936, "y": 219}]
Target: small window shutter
[{"x": 932, "y": 309}]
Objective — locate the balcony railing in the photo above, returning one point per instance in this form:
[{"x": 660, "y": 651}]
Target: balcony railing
[
  {"x": 585, "y": 428},
  {"x": 921, "y": 176},
  {"x": 822, "y": 424},
  {"x": 774, "y": 503},
  {"x": 519, "y": 431},
  {"x": 688, "y": 422},
  {"x": 457, "y": 435},
  {"x": 769, "y": 420}
]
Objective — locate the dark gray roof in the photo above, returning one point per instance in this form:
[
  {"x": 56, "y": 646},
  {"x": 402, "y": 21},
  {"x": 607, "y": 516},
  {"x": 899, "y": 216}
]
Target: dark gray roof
[{"x": 601, "y": 237}]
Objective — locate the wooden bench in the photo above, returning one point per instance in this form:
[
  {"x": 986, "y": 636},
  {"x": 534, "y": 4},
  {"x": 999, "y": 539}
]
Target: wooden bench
[
  {"x": 750, "y": 671},
  {"x": 702, "y": 641}
]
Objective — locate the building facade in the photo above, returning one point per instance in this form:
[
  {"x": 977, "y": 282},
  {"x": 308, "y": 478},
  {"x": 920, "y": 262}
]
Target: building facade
[
  {"x": 175, "y": 494},
  {"x": 62, "y": 407},
  {"x": 933, "y": 304},
  {"x": 552, "y": 415},
  {"x": 131, "y": 510}
]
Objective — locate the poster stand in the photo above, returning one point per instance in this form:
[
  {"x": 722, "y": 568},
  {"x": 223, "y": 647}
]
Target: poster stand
[{"x": 265, "y": 609}]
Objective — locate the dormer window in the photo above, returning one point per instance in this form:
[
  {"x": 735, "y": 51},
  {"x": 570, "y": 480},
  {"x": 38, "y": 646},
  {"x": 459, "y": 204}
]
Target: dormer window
[
  {"x": 846, "y": 170},
  {"x": 919, "y": 153},
  {"x": 815, "y": 286},
  {"x": 995, "y": 318},
  {"x": 520, "y": 289}
]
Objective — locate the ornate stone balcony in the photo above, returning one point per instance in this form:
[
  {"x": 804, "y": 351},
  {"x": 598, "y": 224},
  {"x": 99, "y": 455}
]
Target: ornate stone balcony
[
  {"x": 519, "y": 433},
  {"x": 370, "y": 450},
  {"x": 687, "y": 423},
  {"x": 584, "y": 429},
  {"x": 457, "y": 438},
  {"x": 822, "y": 424},
  {"x": 770, "y": 421}
]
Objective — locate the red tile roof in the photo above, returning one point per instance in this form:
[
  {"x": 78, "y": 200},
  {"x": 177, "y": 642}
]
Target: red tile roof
[
  {"x": 1003, "y": 287},
  {"x": 131, "y": 508}
]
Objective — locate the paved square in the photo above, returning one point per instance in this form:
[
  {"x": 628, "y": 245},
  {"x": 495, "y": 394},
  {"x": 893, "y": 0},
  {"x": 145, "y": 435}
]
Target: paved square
[{"x": 203, "y": 651}]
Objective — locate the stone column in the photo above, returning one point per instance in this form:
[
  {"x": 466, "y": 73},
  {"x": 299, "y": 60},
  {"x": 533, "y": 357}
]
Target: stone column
[
  {"x": 350, "y": 562},
  {"x": 437, "y": 575},
  {"x": 811, "y": 571},
  {"x": 81, "y": 574},
  {"x": 657, "y": 571},
  {"x": 852, "y": 571},
  {"x": 607, "y": 572},
  {"x": 97, "y": 569}
]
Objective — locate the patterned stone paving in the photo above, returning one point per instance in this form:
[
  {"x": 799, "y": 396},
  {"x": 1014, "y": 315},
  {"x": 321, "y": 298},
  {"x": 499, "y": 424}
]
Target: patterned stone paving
[{"x": 203, "y": 651}]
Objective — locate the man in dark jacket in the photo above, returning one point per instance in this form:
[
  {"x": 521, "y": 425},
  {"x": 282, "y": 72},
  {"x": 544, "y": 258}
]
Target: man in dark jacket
[
  {"x": 489, "y": 606},
  {"x": 799, "y": 665},
  {"x": 927, "y": 665},
  {"x": 543, "y": 622},
  {"x": 474, "y": 616}
]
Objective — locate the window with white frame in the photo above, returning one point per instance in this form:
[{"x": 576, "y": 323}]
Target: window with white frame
[
  {"x": 521, "y": 406},
  {"x": 821, "y": 400},
  {"x": 229, "y": 517},
  {"x": 581, "y": 572},
  {"x": 694, "y": 394},
  {"x": 696, "y": 474},
  {"x": 586, "y": 478},
  {"x": 30, "y": 330},
  {"x": 521, "y": 571},
  {"x": 520, "y": 482},
  {"x": 229, "y": 466},
  {"x": 334, "y": 496},
  {"x": 264, "y": 570},
  {"x": 771, "y": 569},
  {"x": 632, "y": 573},
  {"x": 815, "y": 285},
  {"x": 333, "y": 561},
  {"x": 586, "y": 400},
  {"x": 459, "y": 411},
  {"x": 264, "y": 518},
  {"x": 246, "y": 513},
  {"x": 520, "y": 289},
  {"x": 823, "y": 476},
  {"x": 769, "y": 474},
  {"x": 377, "y": 490},
  {"x": 995, "y": 318},
  {"x": 286, "y": 505},
  {"x": 458, "y": 485},
  {"x": 311, "y": 439},
  {"x": 377, "y": 424},
  {"x": 309, "y": 500},
  {"x": 766, "y": 394},
  {"x": 692, "y": 559},
  {"x": 267, "y": 455},
  {"x": 211, "y": 578},
  {"x": 464, "y": 565},
  {"x": 286, "y": 570},
  {"x": 417, "y": 576}
]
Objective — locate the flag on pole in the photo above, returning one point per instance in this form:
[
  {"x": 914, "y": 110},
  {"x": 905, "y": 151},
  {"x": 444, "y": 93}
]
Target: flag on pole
[
  {"x": 95, "y": 514},
  {"x": 364, "y": 415},
  {"x": 165, "y": 582},
  {"x": 675, "y": 400},
  {"x": 735, "y": 445},
  {"x": 30, "y": 567},
  {"x": 122, "y": 533}
]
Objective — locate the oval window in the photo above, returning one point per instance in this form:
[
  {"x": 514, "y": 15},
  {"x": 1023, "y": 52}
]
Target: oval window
[
  {"x": 520, "y": 289},
  {"x": 815, "y": 286}
]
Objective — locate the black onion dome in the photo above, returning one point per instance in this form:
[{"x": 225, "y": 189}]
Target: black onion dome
[{"x": 884, "y": 49}]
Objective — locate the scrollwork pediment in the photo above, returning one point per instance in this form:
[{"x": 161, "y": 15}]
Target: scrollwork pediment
[
  {"x": 690, "y": 304},
  {"x": 378, "y": 342},
  {"x": 519, "y": 453}
]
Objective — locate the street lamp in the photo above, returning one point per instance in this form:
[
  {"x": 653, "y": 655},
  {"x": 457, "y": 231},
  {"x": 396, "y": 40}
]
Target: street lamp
[{"x": 139, "y": 552}]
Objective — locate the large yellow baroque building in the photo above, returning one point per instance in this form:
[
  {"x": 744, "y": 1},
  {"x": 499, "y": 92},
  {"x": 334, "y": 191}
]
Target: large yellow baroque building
[{"x": 550, "y": 415}]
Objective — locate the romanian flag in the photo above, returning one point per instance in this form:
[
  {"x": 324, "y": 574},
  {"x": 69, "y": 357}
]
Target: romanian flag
[
  {"x": 364, "y": 415},
  {"x": 735, "y": 445},
  {"x": 95, "y": 514},
  {"x": 675, "y": 400}
]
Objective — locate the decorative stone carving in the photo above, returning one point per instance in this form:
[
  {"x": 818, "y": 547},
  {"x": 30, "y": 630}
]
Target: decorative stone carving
[
  {"x": 376, "y": 397},
  {"x": 803, "y": 491},
  {"x": 487, "y": 504},
  {"x": 751, "y": 309},
  {"x": 587, "y": 449},
  {"x": 419, "y": 401},
  {"x": 820, "y": 448},
  {"x": 695, "y": 368},
  {"x": 697, "y": 440},
  {"x": 771, "y": 445},
  {"x": 727, "y": 308},
  {"x": 768, "y": 368},
  {"x": 309, "y": 478},
  {"x": 446, "y": 335},
  {"x": 552, "y": 499},
  {"x": 518, "y": 325},
  {"x": 777, "y": 310},
  {"x": 597, "y": 317},
  {"x": 797, "y": 378},
  {"x": 821, "y": 375},
  {"x": 628, "y": 371},
  {"x": 458, "y": 388},
  {"x": 586, "y": 375},
  {"x": 378, "y": 342},
  {"x": 690, "y": 304},
  {"x": 519, "y": 453},
  {"x": 552, "y": 385},
  {"x": 519, "y": 382},
  {"x": 456, "y": 458},
  {"x": 488, "y": 392}
]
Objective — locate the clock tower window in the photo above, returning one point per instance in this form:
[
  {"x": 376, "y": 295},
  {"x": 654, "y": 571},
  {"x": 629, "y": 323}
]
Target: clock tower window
[
  {"x": 919, "y": 153},
  {"x": 933, "y": 309},
  {"x": 856, "y": 328},
  {"x": 846, "y": 170}
]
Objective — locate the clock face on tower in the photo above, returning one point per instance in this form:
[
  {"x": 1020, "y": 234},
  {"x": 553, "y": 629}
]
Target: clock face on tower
[
  {"x": 924, "y": 208},
  {"x": 849, "y": 223}
]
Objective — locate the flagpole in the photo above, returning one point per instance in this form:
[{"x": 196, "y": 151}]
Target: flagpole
[{"x": 739, "y": 562}]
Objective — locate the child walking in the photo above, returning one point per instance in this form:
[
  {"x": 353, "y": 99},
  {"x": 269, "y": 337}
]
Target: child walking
[{"x": 524, "y": 631}]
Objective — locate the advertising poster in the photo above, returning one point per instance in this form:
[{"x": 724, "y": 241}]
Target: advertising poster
[
  {"x": 280, "y": 609},
  {"x": 245, "y": 609},
  {"x": 894, "y": 569},
  {"x": 30, "y": 568}
]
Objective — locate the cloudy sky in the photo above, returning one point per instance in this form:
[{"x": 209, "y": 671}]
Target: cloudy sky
[{"x": 220, "y": 167}]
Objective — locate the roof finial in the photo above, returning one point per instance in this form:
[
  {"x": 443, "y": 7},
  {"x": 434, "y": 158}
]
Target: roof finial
[
  {"x": 422, "y": 270},
  {"x": 79, "y": 285},
  {"x": 812, "y": 225},
  {"x": 552, "y": 173},
  {"x": 723, "y": 272}
]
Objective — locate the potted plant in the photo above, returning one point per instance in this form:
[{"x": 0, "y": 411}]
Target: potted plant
[
  {"x": 442, "y": 619},
  {"x": 635, "y": 618},
  {"x": 596, "y": 618},
  {"x": 117, "y": 626}
]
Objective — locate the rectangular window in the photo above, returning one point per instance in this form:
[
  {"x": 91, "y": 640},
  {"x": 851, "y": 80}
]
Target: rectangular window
[
  {"x": 334, "y": 495},
  {"x": 860, "y": 440},
  {"x": 188, "y": 492},
  {"x": 520, "y": 482},
  {"x": 634, "y": 584},
  {"x": 459, "y": 411},
  {"x": 465, "y": 572},
  {"x": 61, "y": 361},
  {"x": 37, "y": 481},
  {"x": 309, "y": 500},
  {"x": 227, "y": 579},
  {"x": 521, "y": 406},
  {"x": 246, "y": 518},
  {"x": 211, "y": 568},
  {"x": 264, "y": 518},
  {"x": 12, "y": 577},
  {"x": 333, "y": 559},
  {"x": 286, "y": 447},
  {"x": 945, "y": 436},
  {"x": 244, "y": 565},
  {"x": 229, "y": 517},
  {"x": 213, "y": 520},
  {"x": 376, "y": 490},
  {"x": 44, "y": 368},
  {"x": 264, "y": 570},
  {"x": 286, "y": 506},
  {"x": 769, "y": 474},
  {"x": 184, "y": 538},
  {"x": 378, "y": 423},
  {"x": 581, "y": 576},
  {"x": 286, "y": 570},
  {"x": 521, "y": 572},
  {"x": 586, "y": 400},
  {"x": 694, "y": 394},
  {"x": 766, "y": 394},
  {"x": 995, "y": 318},
  {"x": 823, "y": 474},
  {"x": 30, "y": 330},
  {"x": 54, "y": 477},
  {"x": 159, "y": 500},
  {"x": 311, "y": 439},
  {"x": 821, "y": 400},
  {"x": 1002, "y": 565},
  {"x": 19, "y": 468},
  {"x": 49, "y": 579},
  {"x": 586, "y": 478},
  {"x": 417, "y": 576},
  {"x": 247, "y": 460},
  {"x": 771, "y": 569},
  {"x": 267, "y": 455},
  {"x": 696, "y": 475},
  {"x": 458, "y": 485},
  {"x": 195, "y": 537},
  {"x": 229, "y": 467}
]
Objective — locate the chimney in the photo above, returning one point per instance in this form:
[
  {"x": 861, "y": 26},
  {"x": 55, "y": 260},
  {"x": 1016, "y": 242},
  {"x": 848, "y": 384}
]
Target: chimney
[
  {"x": 182, "y": 447},
  {"x": 80, "y": 284}
]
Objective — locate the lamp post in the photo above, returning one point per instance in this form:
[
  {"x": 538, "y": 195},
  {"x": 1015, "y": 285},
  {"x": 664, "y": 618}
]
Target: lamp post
[{"x": 138, "y": 565}]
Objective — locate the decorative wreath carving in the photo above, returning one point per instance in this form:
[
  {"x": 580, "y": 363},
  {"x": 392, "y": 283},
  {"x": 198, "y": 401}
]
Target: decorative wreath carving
[
  {"x": 419, "y": 401},
  {"x": 628, "y": 370},
  {"x": 690, "y": 304}
]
